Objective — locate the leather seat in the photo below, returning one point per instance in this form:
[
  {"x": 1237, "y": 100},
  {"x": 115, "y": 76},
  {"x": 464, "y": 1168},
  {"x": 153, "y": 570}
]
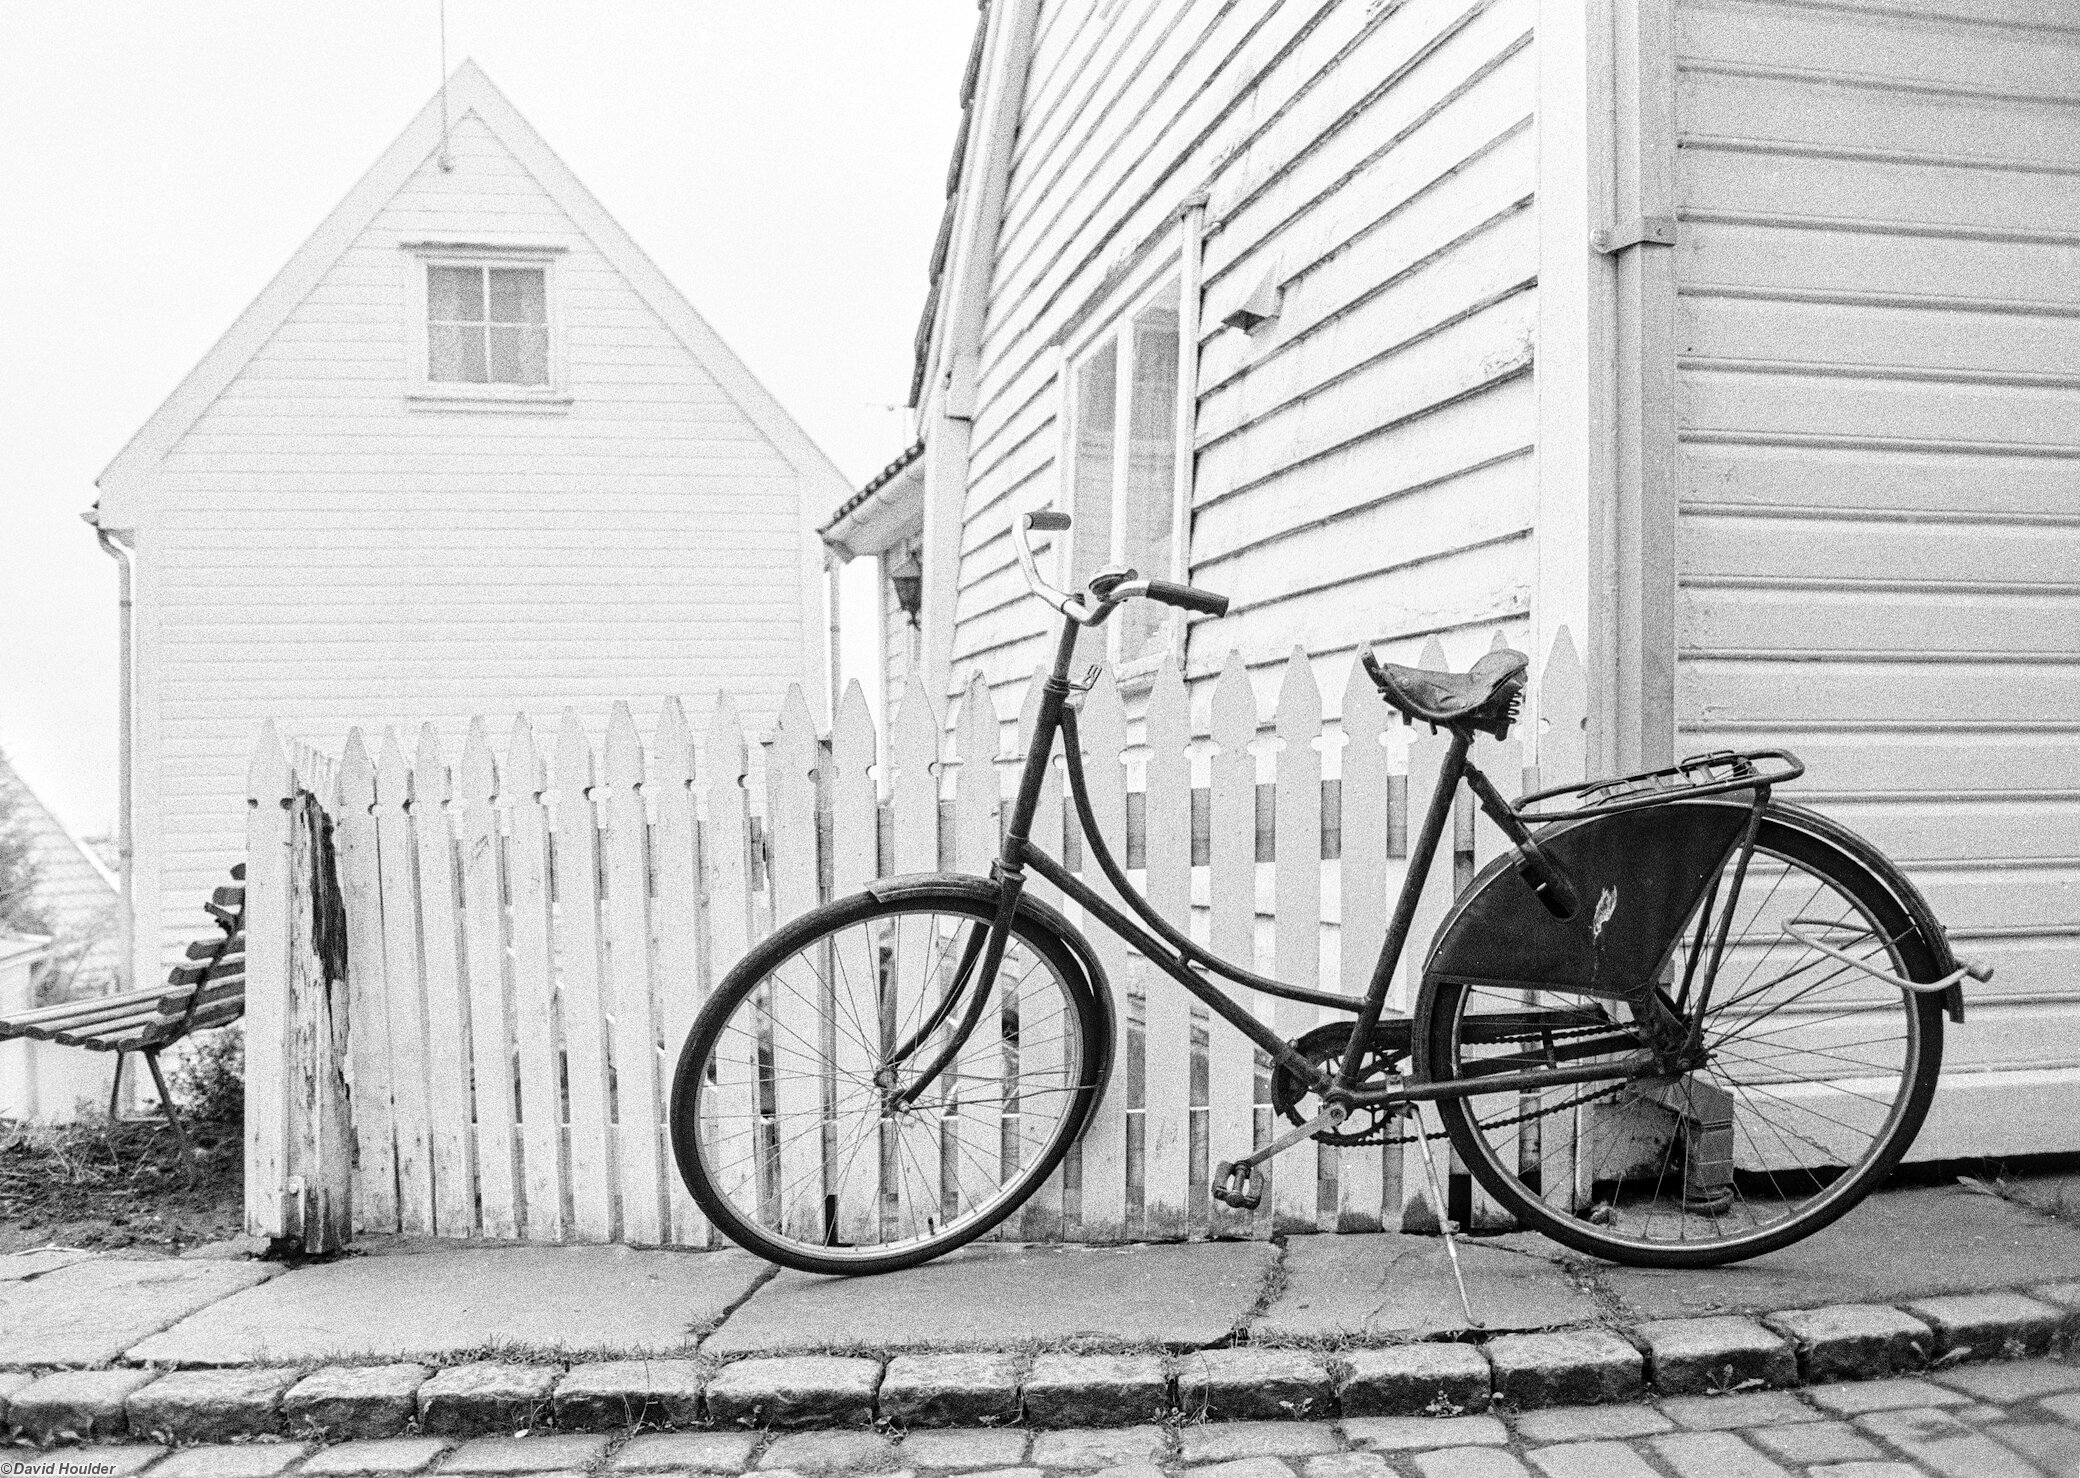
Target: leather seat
[{"x": 1484, "y": 697}]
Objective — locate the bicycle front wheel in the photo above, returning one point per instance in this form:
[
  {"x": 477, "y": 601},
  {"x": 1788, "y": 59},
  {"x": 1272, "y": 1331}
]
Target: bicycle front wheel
[
  {"x": 1817, "y": 1077},
  {"x": 787, "y": 1118}
]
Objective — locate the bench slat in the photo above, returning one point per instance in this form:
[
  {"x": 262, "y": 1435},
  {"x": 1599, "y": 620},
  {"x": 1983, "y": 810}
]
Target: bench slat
[
  {"x": 83, "y": 1010},
  {"x": 88, "y": 1033},
  {"x": 203, "y": 949},
  {"x": 196, "y": 974},
  {"x": 220, "y": 988}
]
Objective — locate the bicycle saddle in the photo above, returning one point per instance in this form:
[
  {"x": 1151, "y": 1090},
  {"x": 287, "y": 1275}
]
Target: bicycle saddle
[{"x": 1484, "y": 697}]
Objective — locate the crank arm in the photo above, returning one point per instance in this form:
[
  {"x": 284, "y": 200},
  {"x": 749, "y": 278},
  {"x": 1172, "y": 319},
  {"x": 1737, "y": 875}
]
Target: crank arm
[{"x": 1239, "y": 1194}]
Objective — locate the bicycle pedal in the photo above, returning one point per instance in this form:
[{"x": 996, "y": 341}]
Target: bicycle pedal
[{"x": 1240, "y": 1196}]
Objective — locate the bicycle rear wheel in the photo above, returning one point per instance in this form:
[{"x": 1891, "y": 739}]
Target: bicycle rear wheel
[
  {"x": 1817, "y": 1080},
  {"x": 782, "y": 1120}
]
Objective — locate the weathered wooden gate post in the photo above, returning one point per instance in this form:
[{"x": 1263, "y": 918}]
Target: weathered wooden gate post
[{"x": 299, "y": 1135}]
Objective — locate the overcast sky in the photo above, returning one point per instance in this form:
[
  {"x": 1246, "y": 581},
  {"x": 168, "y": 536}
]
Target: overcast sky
[{"x": 782, "y": 160}]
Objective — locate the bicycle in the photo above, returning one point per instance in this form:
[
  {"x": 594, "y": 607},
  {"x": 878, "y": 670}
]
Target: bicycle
[{"x": 1681, "y": 1023}]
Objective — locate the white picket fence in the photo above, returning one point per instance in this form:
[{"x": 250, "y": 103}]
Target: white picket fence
[{"x": 528, "y": 937}]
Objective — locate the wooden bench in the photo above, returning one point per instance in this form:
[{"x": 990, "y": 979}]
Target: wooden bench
[{"x": 207, "y": 991}]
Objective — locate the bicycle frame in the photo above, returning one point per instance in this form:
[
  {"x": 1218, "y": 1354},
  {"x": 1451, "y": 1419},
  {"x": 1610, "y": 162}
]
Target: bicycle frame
[{"x": 1176, "y": 954}]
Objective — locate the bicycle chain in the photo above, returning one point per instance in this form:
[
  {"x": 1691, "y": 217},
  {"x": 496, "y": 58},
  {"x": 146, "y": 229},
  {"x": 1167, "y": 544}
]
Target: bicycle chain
[{"x": 1537, "y": 1113}]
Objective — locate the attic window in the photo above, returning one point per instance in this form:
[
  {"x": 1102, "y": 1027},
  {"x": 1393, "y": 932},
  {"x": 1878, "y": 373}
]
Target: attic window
[
  {"x": 487, "y": 325},
  {"x": 483, "y": 327}
]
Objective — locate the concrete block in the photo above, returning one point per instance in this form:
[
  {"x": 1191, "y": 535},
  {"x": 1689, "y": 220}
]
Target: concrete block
[
  {"x": 1817, "y": 1442},
  {"x": 355, "y": 1401},
  {"x": 1729, "y": 1413},
  {"x": 1857, "y": 1397},
  {"x": 611, "y": 1395},
  {"x": 830, "y": 1452},
  {"x": 210, "y": 1405},
  {"x": 967, "y": 1449},
  {"x": 1088, "y": 1449},
  {"x": 1413, "y": 1380},
  {"x": 107, "y": 1462},
  {"x": 1249, "y": 1467},
  {"x": 1095, "y": 1390},
  {"x": 1399, "y": 1433},
  {"x": 10, "y": 1382},
  {"x": 255, "y": 1460},
  {"x": 1218, "y": 1442},
  {"x": 699, "y": 1452},
  {"x": 1568, "y": 1367},
  {"x": 2009, "y": 1382},
  {"x": 795, "y": 1391},
  {"x": 1251, "y": 1383},
  {"x": 76, "y": 1405},
  {"x": 1692, "y": 1357},
  {"x": 375, "y": 1457},
  {"x": 1348, "y": 1465},
  {"x": 950, "y": 1390},
  {"x": 1590, "y": 1423},
  {"x": 485, "y": 1397},
  {"x": 1991, "y": 1326},
  {"x": 532, "y": 1454},
  {"x": 1853, "y": 1341}
]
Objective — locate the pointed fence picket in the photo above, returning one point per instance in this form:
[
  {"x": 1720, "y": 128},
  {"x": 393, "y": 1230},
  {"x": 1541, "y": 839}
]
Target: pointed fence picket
[{"x": 527, "y": 944}]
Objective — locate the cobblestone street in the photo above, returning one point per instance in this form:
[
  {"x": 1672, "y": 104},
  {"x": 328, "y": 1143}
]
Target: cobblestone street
[{"x": 2015, "y": 1419}]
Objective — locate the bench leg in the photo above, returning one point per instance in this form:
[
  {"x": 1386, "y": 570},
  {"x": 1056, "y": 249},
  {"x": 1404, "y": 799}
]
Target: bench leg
[
  {"x": 180, "y": 1135},
  {"x": 115, "y": 1089}
]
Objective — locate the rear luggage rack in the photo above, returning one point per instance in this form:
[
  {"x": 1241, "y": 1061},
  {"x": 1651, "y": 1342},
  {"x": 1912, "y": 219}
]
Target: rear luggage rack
[{"x": 1700, "y": 775}]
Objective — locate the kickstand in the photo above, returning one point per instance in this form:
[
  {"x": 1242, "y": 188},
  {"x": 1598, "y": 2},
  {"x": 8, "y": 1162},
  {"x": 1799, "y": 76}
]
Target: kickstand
[{"x": 1444, "y": 1220}]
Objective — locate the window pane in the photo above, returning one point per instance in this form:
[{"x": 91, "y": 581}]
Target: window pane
[
  {"x": 455, "y": 352},
  {"x": 1148, "y": 503},
  {"x": 454, "y": 294},
  {"x": 517, "y": 295},
  {"x": 519, "y": 354},
  {"x": 1090, "y": 495}
]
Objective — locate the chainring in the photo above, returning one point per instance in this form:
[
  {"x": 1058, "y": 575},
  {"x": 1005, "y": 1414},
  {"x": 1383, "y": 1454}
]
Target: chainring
[{"x": 1324, "y": 1047}]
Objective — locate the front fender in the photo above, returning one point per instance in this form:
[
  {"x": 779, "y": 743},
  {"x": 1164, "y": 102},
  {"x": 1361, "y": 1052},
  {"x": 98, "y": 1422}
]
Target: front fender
[{"x": 913, "y": 886}]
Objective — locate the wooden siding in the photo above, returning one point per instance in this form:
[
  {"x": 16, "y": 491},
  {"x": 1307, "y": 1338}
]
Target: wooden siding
[
  {"x": 1363, "y": 467},
  {"x": 1879, "y": 528},
  {"x": 319, "y": 550}
]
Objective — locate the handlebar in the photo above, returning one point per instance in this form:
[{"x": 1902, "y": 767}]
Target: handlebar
[{"x": 1095, "y": 603}]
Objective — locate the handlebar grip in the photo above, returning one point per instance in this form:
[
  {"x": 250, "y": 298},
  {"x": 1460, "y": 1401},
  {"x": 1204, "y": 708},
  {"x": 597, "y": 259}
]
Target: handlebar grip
[{"x": 1187, "y": 597}]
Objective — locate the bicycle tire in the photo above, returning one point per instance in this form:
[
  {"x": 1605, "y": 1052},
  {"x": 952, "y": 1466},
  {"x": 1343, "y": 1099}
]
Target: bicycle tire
[
  {"x": 1622, "y": 1218},
  {"x": 745, "y": 1071}
]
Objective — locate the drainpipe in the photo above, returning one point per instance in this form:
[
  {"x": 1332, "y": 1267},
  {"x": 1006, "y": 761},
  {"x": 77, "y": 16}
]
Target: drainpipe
[{"x": 122, "y": 555}]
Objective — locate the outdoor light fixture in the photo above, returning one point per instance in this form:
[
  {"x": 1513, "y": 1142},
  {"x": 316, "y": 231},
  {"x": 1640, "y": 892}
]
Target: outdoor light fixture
[{"x": 907, "y": 580}]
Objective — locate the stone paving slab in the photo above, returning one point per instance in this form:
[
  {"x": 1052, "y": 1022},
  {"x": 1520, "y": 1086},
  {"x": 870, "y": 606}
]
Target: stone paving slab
[
  {"x": 15, "y": 1266},
  {"x": 1003, "y": 1296},
  {"x": 1895, "y": 1247},
  {"x": 89, "y": 1313},
  {"x": 1372, "y": 1285},
  {"x": 546, "y": 1300}
]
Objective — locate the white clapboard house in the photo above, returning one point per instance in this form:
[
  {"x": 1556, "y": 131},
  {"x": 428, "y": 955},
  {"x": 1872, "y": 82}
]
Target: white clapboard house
[
  {"x": 1739, "y": 338},
  {"x": 468, "y": 453}
]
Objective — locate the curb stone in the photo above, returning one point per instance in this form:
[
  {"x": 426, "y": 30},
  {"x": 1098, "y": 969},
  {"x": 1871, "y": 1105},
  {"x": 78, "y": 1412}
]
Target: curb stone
[
  {"x": 210, "y": 1405},
  {"x": 1989, "y": 1326},
  {"x": 1095, "y": 1390},
  {"x": 1696, "y": 1357},
  {"x": 1853, "y": 1341},
  {"x": 950, "y": 1390},
  {"x": 796, "y": 1391},
  {"x": 1253, "y": 1382},
  {"x": 1569, "y": 1367},
  {"x": 355, "y": 1401},
  {"x": 612, "y": 1394},
  {"x": 487, "y": 1396},
  {"x": 1411, "y": 1380},
  {"x": 81, "y": 1404}
]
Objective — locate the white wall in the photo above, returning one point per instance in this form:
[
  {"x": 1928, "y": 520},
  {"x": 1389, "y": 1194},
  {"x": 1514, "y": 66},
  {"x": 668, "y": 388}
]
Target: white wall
[{"x": 319, "y": 551}]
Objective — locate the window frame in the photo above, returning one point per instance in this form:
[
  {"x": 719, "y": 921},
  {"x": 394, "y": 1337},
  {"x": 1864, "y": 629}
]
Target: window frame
[
  {"x": 1164, "y": 273},
  {"x": 422, "y": 391}
]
